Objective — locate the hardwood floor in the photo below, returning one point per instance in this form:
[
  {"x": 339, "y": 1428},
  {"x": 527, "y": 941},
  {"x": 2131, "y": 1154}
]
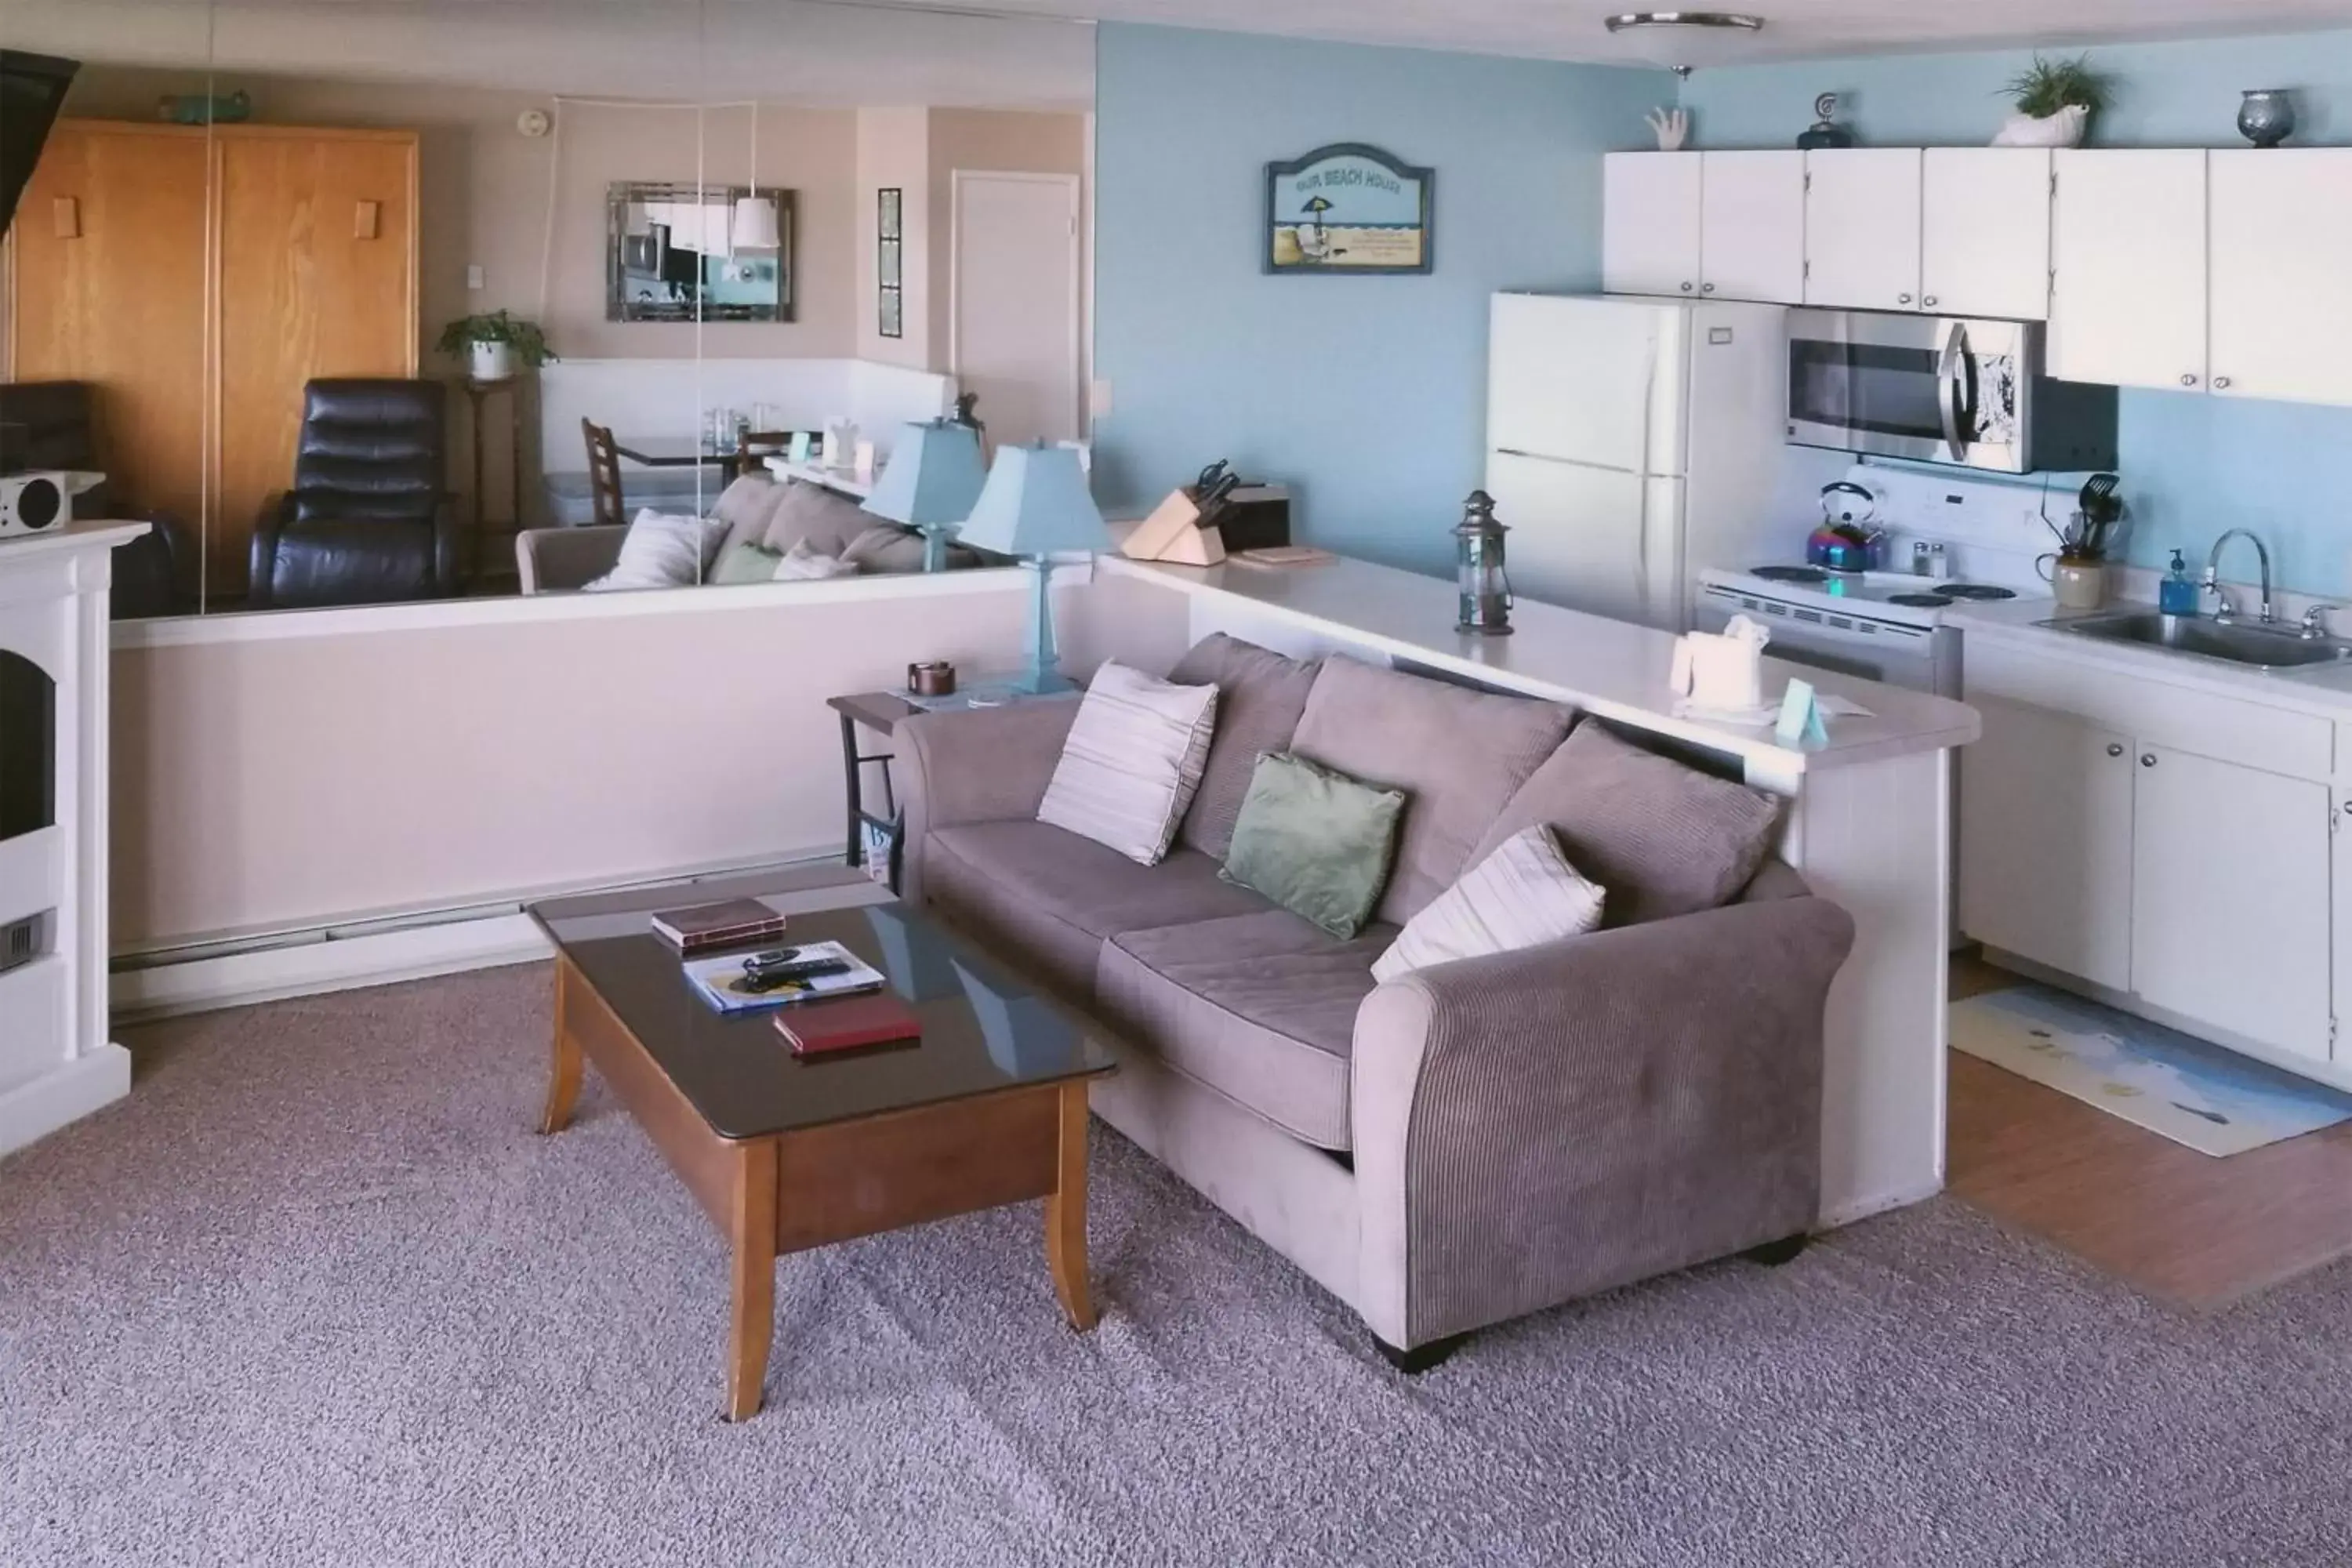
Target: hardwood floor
[{"x": 2188, "y": 1228}]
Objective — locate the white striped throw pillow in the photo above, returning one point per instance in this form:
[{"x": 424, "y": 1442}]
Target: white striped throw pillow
[
  {"x": 1135, "y": 756},
  {"x": 1523, "y": 894}
]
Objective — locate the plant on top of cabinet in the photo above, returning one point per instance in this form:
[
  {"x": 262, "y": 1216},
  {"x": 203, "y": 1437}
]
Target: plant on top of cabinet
[{"x": 2056, "y": 101}]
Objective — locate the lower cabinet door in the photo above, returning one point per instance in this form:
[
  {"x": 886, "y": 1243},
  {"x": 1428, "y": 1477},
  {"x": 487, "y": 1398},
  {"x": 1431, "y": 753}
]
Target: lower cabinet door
[
  {"x": 2231, "y": 898},
  {"x": 2046, "y": 841}
]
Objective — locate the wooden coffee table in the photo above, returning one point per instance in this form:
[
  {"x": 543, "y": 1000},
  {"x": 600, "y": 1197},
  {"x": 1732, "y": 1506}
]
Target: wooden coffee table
[{"x": 786, "y": 1153}]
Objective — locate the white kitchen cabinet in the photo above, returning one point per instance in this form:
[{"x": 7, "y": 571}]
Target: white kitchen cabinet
[
  {"x": 1752, "y": 226},
  {"x": 1650, "y": 223},
  {"x": 2231, "y": 899},
  {"x": 1862, "y": 228},
  {"x": 2046, "y": 841},
  {"x": 1985, "y": 232},
  {"x": 2281, "y": 316},
  {"x": 2127, "y": 302}
]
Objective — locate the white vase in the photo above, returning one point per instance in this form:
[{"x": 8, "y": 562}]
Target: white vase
[
  {"x": 2064, "y": 129},
  {"x": 491, "y": 362}
]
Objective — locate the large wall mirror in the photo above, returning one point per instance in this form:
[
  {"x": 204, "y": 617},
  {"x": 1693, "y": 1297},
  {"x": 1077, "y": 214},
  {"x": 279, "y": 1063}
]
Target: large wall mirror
[{"x": 697, "y": 253}]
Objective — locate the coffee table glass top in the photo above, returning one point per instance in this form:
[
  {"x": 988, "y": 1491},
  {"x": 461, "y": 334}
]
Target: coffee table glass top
[{"x": 983, "y": 1029}]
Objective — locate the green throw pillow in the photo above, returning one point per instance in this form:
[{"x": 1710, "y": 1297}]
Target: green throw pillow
[
  {"x": 1316, "y": 842},
  {"x": 742, "y": 561}
]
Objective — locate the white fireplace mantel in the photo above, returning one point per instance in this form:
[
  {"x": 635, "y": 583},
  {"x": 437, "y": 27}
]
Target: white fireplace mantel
[{"x": 57, "y": 1064}]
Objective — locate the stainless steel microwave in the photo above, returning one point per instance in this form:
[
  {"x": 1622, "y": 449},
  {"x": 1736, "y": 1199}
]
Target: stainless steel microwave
[{"x": 1939, "y": 389}]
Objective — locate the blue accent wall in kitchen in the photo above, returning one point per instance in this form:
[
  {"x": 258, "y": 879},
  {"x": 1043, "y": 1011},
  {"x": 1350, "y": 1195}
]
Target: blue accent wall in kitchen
[
  {"x": 2193, "y": 466},
  {"x": 1366, "y": 395}
]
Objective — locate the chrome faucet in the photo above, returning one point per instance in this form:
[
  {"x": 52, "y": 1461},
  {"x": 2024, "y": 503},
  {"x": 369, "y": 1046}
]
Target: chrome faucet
[{"x": 2224, "y": 610}]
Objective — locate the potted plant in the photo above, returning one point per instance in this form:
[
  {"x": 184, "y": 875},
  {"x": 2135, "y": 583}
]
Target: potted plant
[
  {"x": 2056, "y": 101},
  {"x": 496, "y": 346}
]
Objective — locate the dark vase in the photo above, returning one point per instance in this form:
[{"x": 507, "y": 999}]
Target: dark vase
[{"x": 2266, "y": 118}]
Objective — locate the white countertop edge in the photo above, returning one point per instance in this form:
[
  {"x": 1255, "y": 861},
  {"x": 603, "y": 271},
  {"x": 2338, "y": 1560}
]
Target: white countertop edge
[
  {"x": 539, "y": 609},
  {"x": 2326, "y": 693},
  {"x": 1959, "y": 727},
  {"x": 74, "y": 538}
]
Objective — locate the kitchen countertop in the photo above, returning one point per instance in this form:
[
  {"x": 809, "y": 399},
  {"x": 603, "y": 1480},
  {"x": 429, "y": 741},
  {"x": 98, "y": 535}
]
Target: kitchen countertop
[
  {"x": 1612, "y": 669},
  {"x": 2325, "y": 690}
]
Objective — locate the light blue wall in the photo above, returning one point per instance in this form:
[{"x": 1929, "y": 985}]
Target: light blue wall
[
  {"x": 1366, "y": 395},
  {"x": 2193, "y": 466}
]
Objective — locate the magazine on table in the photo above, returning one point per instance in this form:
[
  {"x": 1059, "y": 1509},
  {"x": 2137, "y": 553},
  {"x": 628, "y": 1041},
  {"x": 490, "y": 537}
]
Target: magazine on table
[{"x": 728, "y": 986}]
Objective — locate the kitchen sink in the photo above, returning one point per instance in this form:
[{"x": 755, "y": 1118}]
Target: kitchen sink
[{"x": 2252, "y": 646}]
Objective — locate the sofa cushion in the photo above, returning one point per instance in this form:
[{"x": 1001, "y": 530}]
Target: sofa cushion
[
  {"x": 1523, "y": 894},
  {"x": 1317, "y": 842},
  {"x": 828, "y": 521},
  {"x": 1458, "y": 755},
  {"x": 1664, "y": 840},
  {"x": 1049, "y": 897},
  {"x": 1260, "y": 695},
  {"x": 747, "y": 507},
  {"x": 662, "y": 552},
  {"x": 1131, "y": 763},
  {"x": 1260, "y": 1008}
]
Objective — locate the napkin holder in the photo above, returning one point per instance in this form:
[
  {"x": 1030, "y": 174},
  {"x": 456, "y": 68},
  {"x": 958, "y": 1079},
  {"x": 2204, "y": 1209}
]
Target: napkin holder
[{"x": 1722, "y": 671}]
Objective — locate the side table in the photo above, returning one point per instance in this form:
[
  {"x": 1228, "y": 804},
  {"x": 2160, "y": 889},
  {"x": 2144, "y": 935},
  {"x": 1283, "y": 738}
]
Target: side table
[{"x": 882, "y": 712}]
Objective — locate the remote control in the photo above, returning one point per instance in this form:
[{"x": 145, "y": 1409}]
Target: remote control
[
  {"x": 775, "y": 958},
  {"x": 780, "y": 975}
]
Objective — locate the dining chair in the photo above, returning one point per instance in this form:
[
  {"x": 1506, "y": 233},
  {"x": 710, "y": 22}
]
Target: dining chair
[
  {"x": 604, "y": 473},
  {"x": 752, "y": 446}
]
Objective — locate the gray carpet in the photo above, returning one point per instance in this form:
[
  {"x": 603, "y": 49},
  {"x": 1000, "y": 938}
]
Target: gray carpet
[{"x": 315, "y": 1295}]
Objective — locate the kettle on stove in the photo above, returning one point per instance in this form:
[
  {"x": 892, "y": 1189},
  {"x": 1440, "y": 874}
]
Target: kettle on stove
[{"x": 1848, "y": 539}]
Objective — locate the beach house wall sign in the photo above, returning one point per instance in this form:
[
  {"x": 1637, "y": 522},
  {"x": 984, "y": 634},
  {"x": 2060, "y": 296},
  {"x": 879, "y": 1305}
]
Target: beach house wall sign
[{"x": 1348, "y": 208}]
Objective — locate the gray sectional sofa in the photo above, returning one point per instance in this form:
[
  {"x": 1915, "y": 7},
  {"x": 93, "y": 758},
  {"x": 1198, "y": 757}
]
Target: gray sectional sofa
[{"x": 1477, "y": 1140}]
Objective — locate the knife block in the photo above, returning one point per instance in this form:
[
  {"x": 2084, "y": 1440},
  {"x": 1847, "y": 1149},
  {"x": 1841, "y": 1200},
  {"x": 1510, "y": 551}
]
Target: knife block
[{"x": 1173, "y": 534}]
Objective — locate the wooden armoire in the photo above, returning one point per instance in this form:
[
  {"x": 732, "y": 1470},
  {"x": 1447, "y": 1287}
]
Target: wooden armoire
[{"x": 198, "y": 276}]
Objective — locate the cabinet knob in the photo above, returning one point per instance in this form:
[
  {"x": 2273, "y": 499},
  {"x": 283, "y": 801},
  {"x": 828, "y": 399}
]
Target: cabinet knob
[
  {"x": 2147, "y": 759},
  {"x": 1706, "y": 288},
  {"x": 2221, "y": 381},
  {"x": 2188, "y": 381},
  {"x": 1929, "y": 301},
  {"x": 1686, "y": 288},
  {"x": 1903, "y": 299},
  {"x": 2116, "y": 749}
]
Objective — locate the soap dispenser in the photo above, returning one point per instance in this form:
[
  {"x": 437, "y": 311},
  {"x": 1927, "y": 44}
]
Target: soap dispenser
[{"x": 2177, "y": 595}]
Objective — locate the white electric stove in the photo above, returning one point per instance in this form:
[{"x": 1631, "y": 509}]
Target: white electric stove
[{"x": 1965, "y": 540}]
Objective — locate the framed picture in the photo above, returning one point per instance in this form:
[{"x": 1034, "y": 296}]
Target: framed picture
[
  {"x": 1348, "y": 207},
  {"x": 890, "y": 242},
  {"x": 670, "y": 255}
]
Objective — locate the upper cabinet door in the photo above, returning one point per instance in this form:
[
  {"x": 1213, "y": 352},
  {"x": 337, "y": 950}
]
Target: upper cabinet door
[
  {"x": 2281, "y": 232},
  {"x": 1650, "y": 223},
  {"x": 1862, "y": 228},
  {"x": 1985, "y": 232},
  {"x": 1752, "y": 228},
  {"x": 2128, "y": 255}
]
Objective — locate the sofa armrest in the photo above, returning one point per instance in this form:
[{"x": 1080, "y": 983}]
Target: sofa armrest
[
  {"x": 261, "y": 552},
  {"x": 448, "y": 548},
  {"x": 974, "y": 765},
  {"x": 550, "y": 558},
  {"x": 1535, "y": 1126}
]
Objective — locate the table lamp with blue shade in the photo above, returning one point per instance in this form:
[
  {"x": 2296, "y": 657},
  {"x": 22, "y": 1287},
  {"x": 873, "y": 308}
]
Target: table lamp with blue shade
[
  {"x": 1035, "y": 504},
  {"x": 930, "y": 482}
]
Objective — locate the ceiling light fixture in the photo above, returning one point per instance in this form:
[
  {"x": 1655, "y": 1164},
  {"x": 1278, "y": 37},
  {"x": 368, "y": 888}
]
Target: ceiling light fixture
[{"x": 1730, "y": 21}]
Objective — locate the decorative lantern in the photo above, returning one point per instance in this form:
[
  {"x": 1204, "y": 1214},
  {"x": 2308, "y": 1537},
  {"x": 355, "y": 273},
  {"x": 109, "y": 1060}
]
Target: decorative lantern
[{"x": 1478, "y": 563}]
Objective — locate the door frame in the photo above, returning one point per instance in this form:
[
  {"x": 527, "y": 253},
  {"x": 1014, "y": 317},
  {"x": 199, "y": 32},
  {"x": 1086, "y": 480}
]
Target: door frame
[{"x": 1076, "y": 349}]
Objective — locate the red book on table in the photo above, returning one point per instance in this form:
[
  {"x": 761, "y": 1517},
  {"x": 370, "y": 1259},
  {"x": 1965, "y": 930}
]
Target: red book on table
[{"x": 839, "y": 1025}]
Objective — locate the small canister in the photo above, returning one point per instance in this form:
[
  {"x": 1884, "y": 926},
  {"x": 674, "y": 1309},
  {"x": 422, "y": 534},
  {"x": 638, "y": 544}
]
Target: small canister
[{"x": 931, "y": 677}]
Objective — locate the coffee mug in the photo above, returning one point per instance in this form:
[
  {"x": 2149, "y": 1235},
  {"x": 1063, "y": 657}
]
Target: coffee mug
[{"x": 2076, "y": 584}]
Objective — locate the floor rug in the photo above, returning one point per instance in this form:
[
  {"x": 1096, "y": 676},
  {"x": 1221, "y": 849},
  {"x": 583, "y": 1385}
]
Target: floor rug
[{"x": 2214, "y": 1101}]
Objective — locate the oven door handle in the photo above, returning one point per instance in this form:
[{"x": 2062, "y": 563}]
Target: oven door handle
[{"x": 1952, "y": 388}]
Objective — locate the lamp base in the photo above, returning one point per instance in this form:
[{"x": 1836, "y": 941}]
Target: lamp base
[
  {"x": 934, "y": 545},
  {"x": 1483, "y": 631}
]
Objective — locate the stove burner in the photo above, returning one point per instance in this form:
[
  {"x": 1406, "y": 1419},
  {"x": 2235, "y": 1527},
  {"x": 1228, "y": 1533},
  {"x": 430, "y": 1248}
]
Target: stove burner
[
  {"x": 1981, "y": 591},
  {"x": 1920, "y": 600},
  {"x": 1792, "y": 575}
]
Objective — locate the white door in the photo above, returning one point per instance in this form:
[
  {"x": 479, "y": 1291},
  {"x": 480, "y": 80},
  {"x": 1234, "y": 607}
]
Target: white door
[
  {"x": 1014, "y": 305},
  {"x": 2230, "y": 901},
  {"x": 2127, "y": 261},
  {"x": 1650, "y": 223},
  {"x": 1752, "y": 226},
  {"x": 1577, "y": 379},
  {"x": 1578, "y": 536},
  {"x": 2281, "y": 235},
  {"x": 1862, "y": 228},
  {"x": 2046, "y": 841},
  {"x": 1984, "y": 225}
]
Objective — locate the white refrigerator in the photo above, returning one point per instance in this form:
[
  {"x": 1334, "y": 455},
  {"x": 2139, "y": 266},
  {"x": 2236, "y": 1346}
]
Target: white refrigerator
[{"x": 1632, "y": 442}]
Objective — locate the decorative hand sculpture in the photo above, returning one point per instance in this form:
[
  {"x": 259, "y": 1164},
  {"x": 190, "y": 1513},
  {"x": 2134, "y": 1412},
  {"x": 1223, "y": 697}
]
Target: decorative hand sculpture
[{"x": 1673, "y": 128}]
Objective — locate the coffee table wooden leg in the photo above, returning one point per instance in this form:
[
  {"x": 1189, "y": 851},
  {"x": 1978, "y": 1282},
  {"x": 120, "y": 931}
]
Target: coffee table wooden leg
[
  {"x": 563, "y": 1070},
  {"x": 753, "y": 1325},
  {"x": 1066, "y": 1211}
]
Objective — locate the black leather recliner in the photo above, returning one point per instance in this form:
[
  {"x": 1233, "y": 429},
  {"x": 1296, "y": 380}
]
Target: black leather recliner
[
  {"x": 368, "y": 521},
  {"x": 52, "y": 424}
]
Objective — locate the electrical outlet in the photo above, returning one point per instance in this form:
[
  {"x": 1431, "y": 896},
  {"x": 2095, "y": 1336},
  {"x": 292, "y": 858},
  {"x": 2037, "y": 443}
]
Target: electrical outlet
[{"x": 473, "y": 276}]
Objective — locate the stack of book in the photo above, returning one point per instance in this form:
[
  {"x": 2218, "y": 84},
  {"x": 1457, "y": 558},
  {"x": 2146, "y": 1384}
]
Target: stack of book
[
  {"x": 733, "y": 923},
  {"x": 727, "y": 985}
]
